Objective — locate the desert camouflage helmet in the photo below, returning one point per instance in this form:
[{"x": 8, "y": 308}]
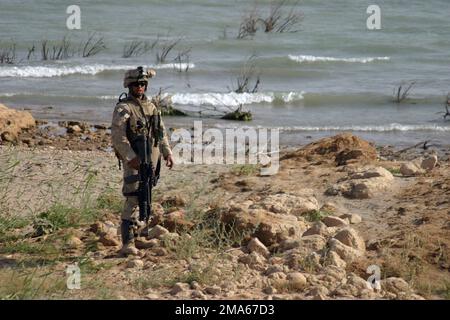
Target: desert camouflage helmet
[{"x": 138, "y": 74}]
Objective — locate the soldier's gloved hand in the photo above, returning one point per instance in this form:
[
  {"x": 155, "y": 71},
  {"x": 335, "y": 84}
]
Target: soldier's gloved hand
[
  {"x": 134, "y": 163},
  {"x": 169, "y": 161}
]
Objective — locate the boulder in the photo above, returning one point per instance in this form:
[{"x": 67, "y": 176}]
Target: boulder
[
  {"x": 348, "y": 254},
  {"x": 179, "y": 287},
  {"x": 351, "y": 238},
  {"x": 291, "y": 204},
  {"x": 410, "y": 169},
  {"x": 157, "y": 232},
  {"x": 353, "y": 218},
  {"x": 429, "y": 162},
  {"x": 12, "y": 122},
  {"x": 257, "y": 246},
  {"x": 268, "y": 227},
  {"x": 395, "y": 285},
  {"x": 318, "y": 228},
  {"x": 296, "y": 280},
  {"x": 73, "y": 242},
  {"x": 109, "y": 241},
  {"x": 363, "y": 183},
  {"x": 254, "y": 261},
  {"x": 135, "y": 263},
  {"x": 173, "y": 201},
  {"x": 342, "y": 149},
  {"x": 334, "y": 259},
  {"x": 332, "y": 221}
]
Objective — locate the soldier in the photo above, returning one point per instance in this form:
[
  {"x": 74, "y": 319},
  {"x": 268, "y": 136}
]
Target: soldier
[{"x": 133, "y": 116}]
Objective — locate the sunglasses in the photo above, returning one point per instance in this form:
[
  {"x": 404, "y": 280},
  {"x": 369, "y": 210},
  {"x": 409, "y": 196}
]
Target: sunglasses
[{"x": 139, "y": 84}]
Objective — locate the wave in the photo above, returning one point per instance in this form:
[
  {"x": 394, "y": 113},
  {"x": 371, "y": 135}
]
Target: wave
[
  {"x": 59, "y": 71},
  {"x": 392, "y": 127},
  {"x": 233, "y": 99},
  {"x": 308, "y": 58}
]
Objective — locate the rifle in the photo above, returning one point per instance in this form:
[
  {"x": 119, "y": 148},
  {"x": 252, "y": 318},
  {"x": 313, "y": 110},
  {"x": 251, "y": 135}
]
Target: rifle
[
  {"x": 147, "y": 180},
  {"x": 143, "y": 149}
]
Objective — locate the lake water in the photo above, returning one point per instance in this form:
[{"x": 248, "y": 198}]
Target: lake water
[{"x": 332, "y": 75}]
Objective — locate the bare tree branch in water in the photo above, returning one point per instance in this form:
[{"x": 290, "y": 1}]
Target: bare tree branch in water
[{"x": 402, "y": 91}]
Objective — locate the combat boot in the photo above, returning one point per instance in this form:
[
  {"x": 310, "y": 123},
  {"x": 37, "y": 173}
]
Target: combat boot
[{"x": 128, "y": 247}]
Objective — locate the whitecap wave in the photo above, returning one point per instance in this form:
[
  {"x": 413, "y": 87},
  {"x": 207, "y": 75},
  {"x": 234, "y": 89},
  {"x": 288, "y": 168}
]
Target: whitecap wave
[
  {"x": 233, "y": 99},
  {"x": 309, "y": 58},
  {"x": 372, "y": 128},
  {"x": 59, "y": 71}
]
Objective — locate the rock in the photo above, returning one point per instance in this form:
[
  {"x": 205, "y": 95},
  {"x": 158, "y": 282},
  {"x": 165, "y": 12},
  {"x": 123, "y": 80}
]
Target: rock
[
  {"x": 334, "y": 259},
  {"x": 331, "y": 221},
  {"x": 214, "y": 290},
  {"x": 135, "y": 263},
  {"x": 359, "y": 283},
  {"x": 353, "y": 218},
  {"x": 13, "y": 122},
  {"x": 410, "y": 169},
  {"x": 348, "y": 254},
  {"x": 142, "y": 243},
  {"x": 169, "y": 238},
  {"x": 395, "y": 285},
  {"x": 371, "y": 172},
  {"x": 195, "y": 285},
  {"x": 278, "y": 281},
  {"x": 268, "y": 227},
  {"x": 318, "y": 228},
  {"x": 334, "y": 273},
  {"x": 429, "y": 163},
  {"x": 157, "y": 232},
  {"x": 160, "y": 252},
  {"x": 363, "y": 183},
  {"x": 179, "y": 287},
  {"x": 257, "y": 246},
  {"x": 272, "y": 269},
  {"x": 351, "y": 238},
  {"x": 109, "y": 241},
  {"x": 270, "y": 290},
  {"x": 173, "y": 201},
  {"x": 74, "y": 129},
  {"x": 253, "y": 260},
  {"x": 318, "y": 292},
  {"x": 314, "y": 242},
  {"x": 198, "y": 294},
  {"x": 343, "y": 149},
  {"x": 291, "y": 204},
  {"x": 175, "y": 221},
  {"x": 296, "y": 280},
  {"x": 152, "y": 296},
  {"x": 73, "y": 242}
]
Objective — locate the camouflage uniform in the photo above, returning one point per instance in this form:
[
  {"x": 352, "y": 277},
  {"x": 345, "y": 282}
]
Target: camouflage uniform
[{"x": 125, "y": 126}]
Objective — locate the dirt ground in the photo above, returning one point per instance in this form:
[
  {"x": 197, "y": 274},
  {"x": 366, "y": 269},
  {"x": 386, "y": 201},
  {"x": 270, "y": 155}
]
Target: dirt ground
[{"x": 405, "y": 227}]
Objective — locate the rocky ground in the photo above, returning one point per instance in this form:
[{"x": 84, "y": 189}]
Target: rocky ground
[{"x": 337, "y": 207}]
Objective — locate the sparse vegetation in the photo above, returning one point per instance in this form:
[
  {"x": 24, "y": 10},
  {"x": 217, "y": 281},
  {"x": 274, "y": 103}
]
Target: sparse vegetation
[
  {"x": 163, "y": 102},
  {"x": 165, "y": 49},
  {"x": 446, "y": 113},
  {"x": 278, "y": 20},
  {"x": 316, "y": 215},
  {"x": 245, "y": 169},
  {"x": 402, "y": 92},
  {"x": 8, "y": 53},
  {"x": 137, "y": 48},
  {"x": 93, "y": 45}
]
